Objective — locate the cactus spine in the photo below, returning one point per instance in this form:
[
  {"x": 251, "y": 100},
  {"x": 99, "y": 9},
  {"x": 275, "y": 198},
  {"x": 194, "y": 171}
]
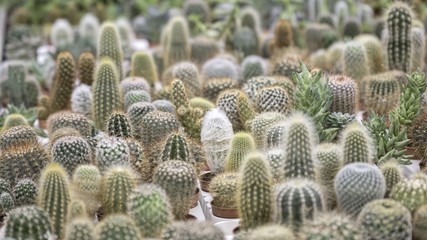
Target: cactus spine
[
  {"x": 80, "y": 229},
  {"x": 71, "y": 151},
  {"x": 109, "y": 46},
  {"x": 81, "y": 100},
  {"x": 85, "y": 186},
  {"x": 330, "y": 226},
  {"x": 411, "y": 192},
  {"x": 119, "y": 125},
  {"x": 392, "y": 175},
  {"x": 241, "y": 145},
  {"x": 63, "y": 84},
  {"x": 237, "y": 107},
  {"x": 25, "y": 192}
]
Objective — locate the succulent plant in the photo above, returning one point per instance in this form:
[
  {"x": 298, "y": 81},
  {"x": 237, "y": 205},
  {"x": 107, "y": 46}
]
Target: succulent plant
[
  {"x": 272, "y": 232},
  {"x": 351, "y": 28},
  {"x": 261, "y": 123},
  {"x": 86, "y": 66},
  {"x": 14, "y": 120},
  {"x": 253, "y": 66},
  {"x": 411, "y": 192},
  {"x": 61, "y": 33},
  {"x": 273, "y": 99},
  {"x": 177, "y": 47},
  {"x": 28, "y": 222},
  {"x": 135, "y": 96},
  {"x": 81, "y": 100},
  {"x": 70, "y": 152},
  {"x": 85, "y": 186},
  {"x": 143, "y": 65},
  {"x": 119, "y": 125},
  {"x": 80, "y": 229},
  {"x": 242, "y": 144},
  {"x": 237, "y": 107},
  {"x": 7, "y": 203},
  {"x": 136, "y": 114},
  {"x": 283, "y": 34},
  {"x": 193, "y": 230},
  {"x": 286, "y": 67},
  {"x": 392, "y": 175},
  {"x": 25, "y": 192},
  {"x": 275, "y": 136},
  {"x": 164, "y": 105},
  {"x": 203, "y": 49},
  {"x": 345, "y": 94},
  {"x": 188, "y": 73},
  {"x": 109, "y": 45},
  {"x": 157, "y": 126},
  {"x": 135, "y": 83},
  {"x": 76, "y": 209},
  {"x": 117, "y": 225},
  {"x": 219, "y": 67},
  {"x": 245, "y": 42},
  {"x": 319, "y": 36},
  {"x": 223, "y": 189},
  {"x": 112, "y": 151}
]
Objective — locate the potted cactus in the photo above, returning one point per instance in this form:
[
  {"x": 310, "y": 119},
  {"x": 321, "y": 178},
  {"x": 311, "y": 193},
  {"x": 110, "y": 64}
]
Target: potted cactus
[{"x": 223, "y": 188}]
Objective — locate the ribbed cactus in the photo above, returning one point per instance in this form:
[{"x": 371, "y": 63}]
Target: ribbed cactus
[
  {"x": 86, "y": 66},
  {"x": 213, "y": 87},
  {"x": 179, "y": 180},
  {"x": 385, "y": 219},
  {"x": 398, "y": 36},
  {"x": 176, "y": 147},
  {"x": 357, "y": 144},
  {"x": 12, "y": 91},
  {"x": 374, "y": 53},
  {"x": 135, "y": 96},
  {"x": 242, "y": 144},
  {"x": 275, "y": 136},
  {"x": 192, "y": 230},
  {"x": 420, "y": 223},
  {"x": 81, "y": 100},
  {"x": 71, "y": 151},
  {"x": 253, "y": 66},
  {"x": 330, "y": 226},
  {"x": 202, "y": 104},
  {"x": 286, "y": 67},
  {"x": 80, "y": 229},
  {"x": 223, "y": 189},
  {"x": 299, "y": 144},
  {"x": 85, "y": 186},
  {"x": 135, "y": 84},
  {"x": 116, "y": 185},
  {"x": 63, "y": 84},
  {"x": 136, "y": 114},
  {"x": 32, "y": 91},
  {"x": 28, "y": 222},
  {"x": 202, "y": 49},
  {"x": 109, "y": 45},
  {"x": 272, "y": 232},
  {"x": 245, "y": 42},
  {"x": 13, "y": 120},
  {"x": 418, "y": 41},
  {"x": 164, "y": 105},
  {"x": 119, "y": 125},
  {"x": 283, "y": 34},
  {"x": 25, "y": 192},
  {"x": 177, "y": 45},
  {"x": 54, "y": 196},
  {"x": 392, "y": 175},
  {"x": 68, "y": 132},
  {"x": 355, "y": 60},
  {"x": 7, "y": 203},
  {"x": 319, "y": 36},
  {"x": 357, "y": 184},
  {"x": 157, "y": 126},
  {"x": 69, "y": 120},
  {"x": 219, "y": 67},
  {"x": 254, "y": 192},
  {"x": 89, "y": 28},
  {"x": 261, "y": 123},
  {"x": 237, "y": 107},
  {"x": 273, "y": 99},
  {"x": 149, "y": 207},
  {"x": 143, "y": 65},
  {"x": 411, "y": 192},
  {"x": 112, "y": 151},
  {"x": 345, "y": 94},
  {"x": 117, "y": 226},
  {"x": 107, "y": 96}
]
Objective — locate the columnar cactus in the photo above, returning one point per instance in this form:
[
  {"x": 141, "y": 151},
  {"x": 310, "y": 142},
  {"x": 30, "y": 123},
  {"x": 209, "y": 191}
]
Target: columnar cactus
[
  {"x": 275, "y": 136},
  {"x": 374, "y": 53},
  {"x": 179, "y": 180},
  {"x": 385, "y": 219},
  {"x": 109, "y": 46},
  {"x": 86, "y": 66},
  {"x": 254, "y": 192},
  {"x": 245, "y": 42},
  {"x": 85, "y": 186},
  {"x": 355, "y": 60},
  {"x": 143, "y": 65},
  {"x": 81, "y": 100},
  {"x": 176, "y": 147},
  {"x": 80, "y": 229},
  {"x": 63, "y": 84},
  {"x": 157, "y": 126},
  {"x": 398, "y": 36},
  {"x": 177, "y": 45},
  {"x": 117, "y": 226},
  {"x": 192, "y": 230},
  {"x": 135, "y": 84},
  {"x": 106, "y": 81},
  {"x": 411, "y": 192},
  {"x": 418, "y": 41},
  {"x": 213, "y": 87},
  {"x": 345, "y": 94},
  {"x": 28, "y": 222},
  {"x": 32, "y": 91},
  {"x": 357, "y": 144},
  {"x": 330, "y": 226},
  {"x": 69, "y": 120},
  {"x": 116, "y": 185},
  {"x": 237, "y": 106},
  {"x": 76, "y": 209},
  {"x": 357, "y": 184},
  {"x": 223, "y": 189},
  {"x": 242, "y": 144},
  {"x": 283, "y": 34},
  {"x": 71, "y": 151},
  {"x": 299, "y": 144},
  {"x": 188, "y": 73},
  {"x": 420, "y": 223},
  {"x": 203, "y": 49},
  {"x": 54, "y": 196},
  {"x": 25, "y": 192},
  {"x": 297, "y": 201},
  {"x": 149, "y": 207},
  {"x": 12, "y": 91},
  {"x": 392, "y": 175},
  {"x": 272, "y": 232},
  {"x": 119, "y": 125}
]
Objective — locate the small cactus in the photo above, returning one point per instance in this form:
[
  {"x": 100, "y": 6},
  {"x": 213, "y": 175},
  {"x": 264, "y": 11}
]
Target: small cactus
[
  {"x": 13, "y": 120},
  {"x": 418, "y": 41},
  {"x": 242, "y": 144},
  {"x": 177, "y": 45},
  {"x": 420, "y": 223},
  {"x": 86, "y": 65},
  {"x": 25, "y": 192},
  {"x": 109, "y": 46},
  {"x": 237, "y": 107},
  {"x": 223, "y": 189},
  {"x": 112, "y": 151},
  {"x": 411, "y": 192},
  {"x": 357, "y": 144},
  {"x": 80, "y": 229},
  {"x": 28, "y": 222},
  {"x": 136, "y": 114},
  {"x": 392, "y": 175},
  {"x": 273, "y": 99},
  {"x": 85, "y": 186},
  {"x": 374, "y": 52},
  {"x": 81, "y": 100},
  {"x": 76, "y": 209},
  {"x": 16, "y": 136},
  {"x": 219, "y": 68},
  {"x": 188, "y": 73},
  {"x": 69, "y": 120},
  {"x": 71, "y": 151},
  {"x": 192, "y": 230},
  {"x": 261, "y": 123},
  {"x": 135, "y": 84},
  {"x": 203, "y": 49},
  {"x": 135, "y": 96},
  {"x": 245, "y": 42},
  {"x": 213, "y": 87},
  {"x": 272, "y": 232},
  {"x": 283, "y": 34},
  {"x": 355, "y": 60},
  {"x": 119, "y": 125},
  {"x": 117, "y": 226},
  {"x": 143, "y": 65},
  {"x": 345, "y": 94},
  {"x": 253, "y": 66}
]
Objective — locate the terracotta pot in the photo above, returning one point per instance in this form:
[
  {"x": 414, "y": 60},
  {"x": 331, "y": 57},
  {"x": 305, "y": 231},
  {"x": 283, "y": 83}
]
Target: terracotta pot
[
  {"x": 190, "y": 217},
  {"x": 205, "y": 180},
  {"x": 195, "y": 198},
  {"x": 224, "y": 212}
]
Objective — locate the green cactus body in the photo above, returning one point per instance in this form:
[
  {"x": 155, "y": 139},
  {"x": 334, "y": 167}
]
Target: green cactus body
[
  {"x": 69, "y": 120},
  {"x": 112, "y": 151},
  {"x": 351, "y": 28},
  {"x": 119, "y": 125},
  {"x": 106, "y": 81},
  {"x": 136, "y": 114},
  {"x": 223, "y": 189},
  {"x": 272, "y": 232},
  {"x": 299, "y": 145},
  {"x": 203, "y": 49},
  {"x": 418, "y": 41},
  {"x": 237, "y": 107},
  {"x": 135, "y": 84},
  {"x": 14, "y": 120},
  {"x": 398, "y": 37},
  {"x": 254, "y": 192},
  {"x": 273, "y": 99},
  {"x": 275, "y": 136},
  {"x": 76, "y": 209},
  {"x": 116, "y": 185},
  {"x": 357, "y": 144},
  {"x": 117, "y": 226},
  {"x": 7, "y": 203},
  {"x": 276, "y": 160},
  {"x": 261, "y": 123},
  {"x": 326, "y": 19},
  {"x": 86, "y": 184},
  {"x": 54, "y": 196},
  {"x": 149, "y": 206},
  {"x": 420, "y": 223},
  {"x": 297, "y": 201},
  {"x": 165, "y": 105},
  {"x": 245, "y": 42},
  {"x": 253, "y": 66},
  {"x": 381, "y": 92},
  {"x": 330, "y": 226},
  {"x": 374, "y": 53},
  {"x": 32, "y": 91},
  {"x": 28, "y": 222},
  {"x": 219, "y": 67},
  {"x": 157, "y": 126},
  {"x": 176, "y": 147},
  {"x": 16, "y": 136},
  {"x": 188, "y": 73},
  {"x": 214, "y": 86},
  {"x": 357, "y": 184},
  {"x": 201, "y": 103},
  {"x": 177, "y": 45},
  {"x": 80, "y": 229},
  {"x": 193, "y": 230},
  {"x": 286, "y": 67},
  {"x": 25, "y": 192},
  {"x": 4, "y": 185},
  {"x": 316, "y": 36},
  {"x": 71, "y": 151},
  {"x": 355, "y": 60},
  {"x": 81, "y": 100},
  {"x": 136, "y": 96},
  {"x": 345, "y": 94},
  {"x": 411, "y": 192},
  {"x": 86, "y": 66},
  {"x": 63, "y": 84},
  {"x": 242, "y": 144},
  {"x": 385, "y": 219},
  {"x": 109, "y": 46},
  {"x": 143, "y": 65},
  {"x": 392, "y": 175},
  {"x": 12, "y": 88},
  {"x": 179, "y": 180}
]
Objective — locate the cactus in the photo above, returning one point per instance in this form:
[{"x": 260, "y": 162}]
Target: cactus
[
  {"x": 357, "y": 144},
  {"x": 203, "y": 49},
  {"x": 254, "y": 192},
  {"x": 135, "y": 96},
  {"x": 32, "y": 91},
  {"x": 411, "y": 192},
  {"x": 89, "y": 28},
  {"x": 81, "y": 100},
  {"x": 14, "y": 120},
  {"x": 255, "y": 84},
  {"x": 6, "y": 203},
  {"x": 330, "y": 226},
  {"x": 398, "y": 36},
  {"x": 275, "y": 136},
  {"x": 119, "y": 125},
  {"x": 223, "y": 189},
  {"x": 272, "y": 232},
  {"x": 286, "y": 67},
  {"x": 28, "y": 222},
  {"x": 54, "y": 196},
  {"x": 261, "y": 123},
  {"x": 61, "y": 34},
  {"x": 219, "y": 68},
  {"x": 202, "y": 104},
  {"x": 117, "y": 226},
  {"x": 109, "y": 45},
  {"x": 192, "y": 230},
  {"x": 418, "y": 41},
  {"x": 326, "y": 19},
  {"x": 245, "y": 42},
  {"x": 345, "y": 94},
  {"x": 71, "y": 151},
  {"x": 319, "y": 36},
  {"x": 299, "y": 144},
  {"x": 157, "y": 126},
  {"x": 355, "y": 60},
  {"x": 80, "y": 229},
  {"x": 135, "y": 84},
  {"x": 76, "y": 209},
  {"x": 351, "y": 28},
  {"x": 25, "y": 192},
  {"x": 357, "y": 184},
  {"x": 143, "y": 65},
  {"x": 273, "y": 99},
  {"x": 242, "y": 144},
  {"x": 392, "y": 175},
  {"x": 149, "y": 206},
  {"x": 65, "y": 132},
  {"x": 176, "y": 147},
  {"x": 177, "y": 45},
  {"x": 420, "y": 223},
  {"x": 4, "y": 186},
  {"x": 385, "y": 219},
  {"x": 63, "y": 85},
  {"x": 283, "y": 34},
  {"x": 253, "y": 66},
  {"x": 237, "y": 107},
  {"x": 112, "y": 151},
  {"x": 116, "y": 185},
  {"x": 374, "y": 53},
  {"x": 12, "y": 91},
  {"x": 164, "y": 106},
  {"x": 85, "y": 186},
  {"x": 381, "y": 92},
  {"x": 329, "y": 162},
  {"x": 179, "y": 180},
  {"x": 86, "y": 66},
  {"x": 69, "y": 120},
  {"x": 188, "y": 73},
  {"x": 136, "y": 113},
  {"x": 297, "y": 201},
  {"x": 213, "y": 87}
]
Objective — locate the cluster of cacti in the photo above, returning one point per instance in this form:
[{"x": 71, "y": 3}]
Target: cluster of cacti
[{"x": 213, "y": 87}]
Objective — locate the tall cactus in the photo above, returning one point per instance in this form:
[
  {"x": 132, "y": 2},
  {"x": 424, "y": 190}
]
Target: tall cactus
[
  {"x": 109, "y": 46},
  {"x": 242, "y": 144},
  {"x": 142, "y": 65},
  {"x": 418, "y": 48},
  {"x": 261, "y": 123},
  {"x": 177, "y": 45},
  {"x": 71, "y": 151},
  {"x": 63, "y": 84},
  {"x": 86, "y": 183},
  {"x": 355, "y": 60}
]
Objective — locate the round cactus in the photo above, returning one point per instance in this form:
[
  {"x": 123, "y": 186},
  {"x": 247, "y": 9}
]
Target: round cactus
[
  {"x": 81, "y": 100},
  {"x": 136, "y": 113},
  {"x": 28, "y": 222},
  {"x": 69, "y": 120},
  {"x": 157, "y": 126},
  {"x": 261, "y": 123},
  {"x": 143, "y": 65},
  {"x": 134, "y": 84},
  {"x": 193, "y": 230},
  {"x": 80, "y": 229},
  {"x": 237, "y": 107},
  {"x": 25, "y": 192},
  {"x": 253, "y": 66},
  {"x": 117, "y": 226},
  {"x": 245, "y": 42},
  {"x": 275, "y": 136},
  {"x": 71, "y": 151},
  {"x": 272, "y": 232},
  {"x": 119, "y": 125},
  {"x": 374, "y": 52},
  {"x": 223, "y": 189},
  {"x": 164, "y": 106},
  {"x": 203, "y": 49},
  {"x": 392, "y": 175},
  {"x": 355, "y": 60},
  {"x": 177, "y": 45},
  {"x": 188, "y": 73},
  {"x": 16, "y": 136},
  {"x": 135, "y": 96},
  {"x": 420, "y": 223},
  {"x": 112, "y": 151},
  {"x": 411, "y": 192},
  {"x": 214, "y": 86},
  {"x": 14, "y": 120},
  {"x": 219, "y": 68},
  {"x": 76, "y": 209}
]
